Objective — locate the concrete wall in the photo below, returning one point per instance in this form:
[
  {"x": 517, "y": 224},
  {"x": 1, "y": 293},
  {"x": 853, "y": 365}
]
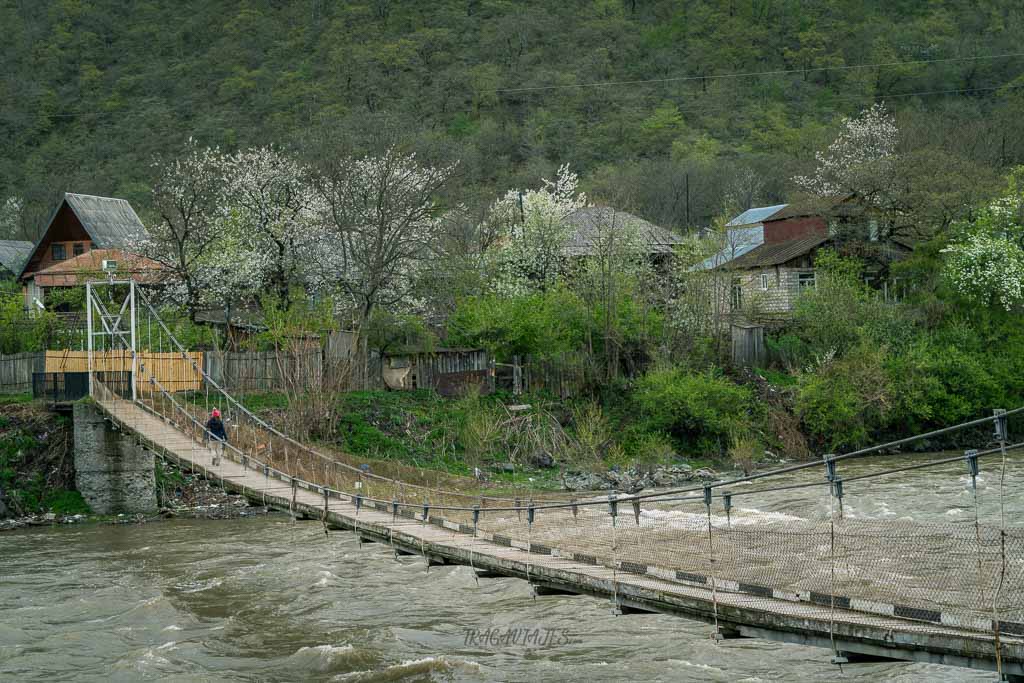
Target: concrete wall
[{"x": 112, "y": 472}]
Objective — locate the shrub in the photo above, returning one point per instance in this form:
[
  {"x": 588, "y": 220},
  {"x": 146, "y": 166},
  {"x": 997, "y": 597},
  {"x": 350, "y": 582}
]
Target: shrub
[
  {"x": 745, "y": 453},
  {"x": 788, "y": 351},
  {"x": 702, "y": 412},
  {"x": 845, "y": 401},
  {"x": 542, "y": 324}
]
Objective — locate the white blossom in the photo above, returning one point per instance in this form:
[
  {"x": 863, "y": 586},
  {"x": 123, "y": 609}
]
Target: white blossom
[
  {"x": 189, "y": 199},
  {"x": 862, "y": 159},
  {"x": 272, "y": 229},
  {"x": 985, "y": 264},
  {"x": 380, "y": 224},
  {"x": 529, "y": 256}
]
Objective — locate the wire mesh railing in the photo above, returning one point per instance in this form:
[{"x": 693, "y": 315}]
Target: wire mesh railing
[{"x": 966, "y": 574}]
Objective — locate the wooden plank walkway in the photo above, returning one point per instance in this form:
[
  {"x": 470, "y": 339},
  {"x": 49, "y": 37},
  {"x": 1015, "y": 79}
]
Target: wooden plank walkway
[{"x": 737, "y": 614}]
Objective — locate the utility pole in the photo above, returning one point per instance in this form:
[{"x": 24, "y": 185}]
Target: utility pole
[{"x": 687, "y": 200}]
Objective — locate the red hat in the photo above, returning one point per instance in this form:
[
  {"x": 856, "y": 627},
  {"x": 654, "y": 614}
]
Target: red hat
[{"x": 216, "y": 413}]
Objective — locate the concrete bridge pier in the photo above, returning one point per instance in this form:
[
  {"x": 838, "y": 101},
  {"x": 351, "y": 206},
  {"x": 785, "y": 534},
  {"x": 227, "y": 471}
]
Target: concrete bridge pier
[{"x": 113, "y": 472}]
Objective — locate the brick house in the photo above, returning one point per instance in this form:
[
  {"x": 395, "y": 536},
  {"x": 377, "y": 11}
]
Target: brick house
[
  {"x": 80, "y": 224},
  {"x": 769, "y": 252}
]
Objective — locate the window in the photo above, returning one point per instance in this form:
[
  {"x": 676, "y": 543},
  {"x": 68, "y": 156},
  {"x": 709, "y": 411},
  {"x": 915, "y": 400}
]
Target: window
[
  {"x": 736, "y": 296},
  {"x": 764, "y": 282},
  {"x": 805, "y": 280},
  {"x": 78, "y": 249},
  {"x": 58, "y": 251}
]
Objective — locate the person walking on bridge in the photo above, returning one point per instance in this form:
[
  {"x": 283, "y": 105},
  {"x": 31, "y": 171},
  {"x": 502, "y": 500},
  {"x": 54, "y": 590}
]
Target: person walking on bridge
[{"x": 215, "y": 430}]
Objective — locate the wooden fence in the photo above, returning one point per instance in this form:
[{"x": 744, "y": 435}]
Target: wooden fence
[
  {"x": 172, "y": 371},
  {"x": 449, "y": 372},
  {"x": 564, "y": 376},
  {"x": 16, "y": 371},
  {"x": 244, "y": 371},
  {"x": 748, "y": 349}
]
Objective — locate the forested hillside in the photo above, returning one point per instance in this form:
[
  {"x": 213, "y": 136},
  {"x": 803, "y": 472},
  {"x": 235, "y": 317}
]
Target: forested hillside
[{"x": 676, "y": 110}]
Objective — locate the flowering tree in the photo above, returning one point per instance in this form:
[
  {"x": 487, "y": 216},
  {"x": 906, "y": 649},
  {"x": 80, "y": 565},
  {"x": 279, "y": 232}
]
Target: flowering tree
[
  {"x": 613, "y": 281},
  {"x": 10, "y": 217},
  {"x": 379, "y": 221},
  {"x": 535, "y": 230},
  {"x": 985, "y": 262},
  {"x": 862, "y": 159},
  {"x": 272, "y": 230},
  {"x": 188, "y": 196}
]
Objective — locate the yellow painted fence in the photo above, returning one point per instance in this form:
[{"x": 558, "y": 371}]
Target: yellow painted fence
[{"x": 170, "y": 369}]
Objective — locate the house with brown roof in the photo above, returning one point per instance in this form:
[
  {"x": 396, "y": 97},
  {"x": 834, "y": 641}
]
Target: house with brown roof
[
  {"x": 769, "y": 252},
  {"x": 80, "y": 225}
]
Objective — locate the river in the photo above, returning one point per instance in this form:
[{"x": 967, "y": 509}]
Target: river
[{"x": 268, "y": 599}]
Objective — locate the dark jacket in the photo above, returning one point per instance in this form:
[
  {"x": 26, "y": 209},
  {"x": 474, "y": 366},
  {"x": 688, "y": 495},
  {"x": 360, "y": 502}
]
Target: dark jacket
[{"x": 216, "y": 428}]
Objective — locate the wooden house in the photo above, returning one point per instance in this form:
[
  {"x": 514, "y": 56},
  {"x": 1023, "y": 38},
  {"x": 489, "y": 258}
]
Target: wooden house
[{"x": 80, "y": 224}]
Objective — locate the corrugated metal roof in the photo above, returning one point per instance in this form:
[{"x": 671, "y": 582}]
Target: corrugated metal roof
[
  {"x": 586, "y": 223},
  {"x": 111, "y": 223},
  {"x": 14, "y": 253},
  {"x": 738, "y": 241},
  {"x": 777, "y": 253},
  {"x": 755, "y": 215}
]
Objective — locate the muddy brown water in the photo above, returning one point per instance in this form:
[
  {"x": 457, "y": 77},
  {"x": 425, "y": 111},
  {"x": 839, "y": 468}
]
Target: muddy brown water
[{"x": 268, "y": 599}]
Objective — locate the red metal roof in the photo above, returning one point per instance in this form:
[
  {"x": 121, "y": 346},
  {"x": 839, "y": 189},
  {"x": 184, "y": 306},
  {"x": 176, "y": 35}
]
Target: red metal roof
[{"x": 76, "y": 270}]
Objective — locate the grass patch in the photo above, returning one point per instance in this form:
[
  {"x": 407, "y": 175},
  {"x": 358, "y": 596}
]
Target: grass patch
[
  {"x": 64, "y": 502},
  {"x": 778, "y": 378},
  {"x": 271, "y": 400},
  {"x": 14, "y": 399}
]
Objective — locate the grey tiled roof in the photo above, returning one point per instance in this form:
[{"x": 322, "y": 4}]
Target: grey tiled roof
[
  {"x": 13, "y": 254},
  {"x": 110, "y": 222},
  {"x": 777, "y": 253},
  {"x": 738, "y": 241},
  {"x": 587, "y": 222}
]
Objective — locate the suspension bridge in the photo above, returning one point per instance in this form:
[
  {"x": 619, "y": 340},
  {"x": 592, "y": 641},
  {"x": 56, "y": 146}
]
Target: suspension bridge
[{"x": 948, "y": 593}]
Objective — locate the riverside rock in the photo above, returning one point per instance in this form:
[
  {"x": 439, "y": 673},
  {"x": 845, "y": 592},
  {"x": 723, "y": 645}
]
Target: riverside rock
[{"x": 635, "y": 479}]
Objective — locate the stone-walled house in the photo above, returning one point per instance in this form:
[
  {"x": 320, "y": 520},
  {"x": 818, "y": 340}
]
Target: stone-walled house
[{"x": 769, "y": 253}]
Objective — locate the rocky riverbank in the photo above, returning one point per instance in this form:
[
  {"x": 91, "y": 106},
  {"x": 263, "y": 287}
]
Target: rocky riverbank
[
  {"x": 181, "y": 495},
  {"x": 636, "y": 479}
]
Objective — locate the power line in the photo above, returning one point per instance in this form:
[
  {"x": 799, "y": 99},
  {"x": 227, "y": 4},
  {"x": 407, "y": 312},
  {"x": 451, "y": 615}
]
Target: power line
[
  {"x": 753, "y": 74},
  {"x": 856, "y": 98},
  {"x": 692, "y": 110}
]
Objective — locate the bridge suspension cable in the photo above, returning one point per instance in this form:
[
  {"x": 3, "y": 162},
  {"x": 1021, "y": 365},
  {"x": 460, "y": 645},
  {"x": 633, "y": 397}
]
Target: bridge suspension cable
[{"x": 831, "y": 557}]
